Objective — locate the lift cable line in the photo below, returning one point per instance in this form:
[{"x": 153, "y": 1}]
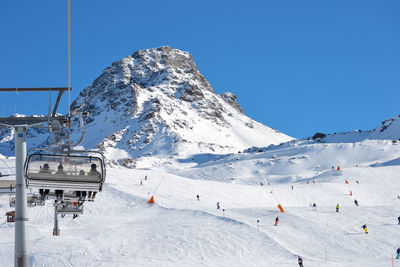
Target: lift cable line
[{"x": 69, "y": 56}]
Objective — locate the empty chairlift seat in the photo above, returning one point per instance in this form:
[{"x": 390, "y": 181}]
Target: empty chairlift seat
[{"x": 65, "y": 172}]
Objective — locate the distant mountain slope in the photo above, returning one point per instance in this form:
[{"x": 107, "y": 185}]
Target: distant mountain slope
[
  {"x": 390, "y": 130},
  {"x": 36, "y": 137}
]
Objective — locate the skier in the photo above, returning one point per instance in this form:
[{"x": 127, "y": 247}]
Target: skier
[
  {"x": 307, "y": 181},
  {"x": 365, "y": 228},
  {"x": 292, "y": 187},
  {"x": 314, "y": 206},
  {"x": 313, "y": 181},
  {"x": 300, "y": 261},
  {"x": 276, "y": 221},
  {"x": 337, "y": 207},
  {"x": 145, "y": 177},
  {"x": 398, "y": 218},
  {"x": 218, "y": 206},
  {"x": 141, "y": 183},
  {"x": 198, "y": 198},
  {"x": 357, "y": 182},
  {"x": 74, "y": 216},
  {"x": 261, "y": 184},
  {"x": 398, "y": 253},
  {"x": 356, "y": 202}
]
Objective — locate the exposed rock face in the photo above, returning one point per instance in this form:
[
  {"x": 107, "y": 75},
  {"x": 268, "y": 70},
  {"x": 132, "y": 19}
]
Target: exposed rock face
[
  {"x": 231, "y": 100},
  {"x": 318, "y": 136},
  {"x": 156, "y": 102}
]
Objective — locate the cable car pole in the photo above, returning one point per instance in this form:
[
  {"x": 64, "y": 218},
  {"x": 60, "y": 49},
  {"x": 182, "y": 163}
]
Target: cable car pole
[
  {"x": 21, "y": 256},
  {"x": 56, "y": 230}
]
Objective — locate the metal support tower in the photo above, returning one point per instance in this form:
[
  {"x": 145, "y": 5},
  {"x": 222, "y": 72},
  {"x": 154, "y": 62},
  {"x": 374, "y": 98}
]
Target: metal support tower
[
  {"x": 21, "y": 258},
  {"x": 56, "y": 230}
]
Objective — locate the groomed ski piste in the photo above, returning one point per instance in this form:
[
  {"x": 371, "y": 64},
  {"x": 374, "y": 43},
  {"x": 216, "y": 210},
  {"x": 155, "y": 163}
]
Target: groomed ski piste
[{"x": 121, "y": 229}]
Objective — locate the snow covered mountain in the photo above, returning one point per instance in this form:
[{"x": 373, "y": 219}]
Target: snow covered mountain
[
  {"x": 389, "y": 130},
  {"x": 37, "y": 137},
  {"x": 156, "y": 102}
]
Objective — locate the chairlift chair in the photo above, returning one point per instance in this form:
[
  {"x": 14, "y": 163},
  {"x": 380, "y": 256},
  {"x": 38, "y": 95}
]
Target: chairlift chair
[
  {"x": 39, "y": 201},
  {"x": 12, "y": 201},
  {"x": 10, "y": 216},
  {"x": 69, "y": 207},
  {"x": 65, "y": 171},
  {"x": 31, "y": 200}
]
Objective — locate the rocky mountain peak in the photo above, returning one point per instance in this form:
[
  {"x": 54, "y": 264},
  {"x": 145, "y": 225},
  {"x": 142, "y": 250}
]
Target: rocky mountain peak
[
  {"x": 156, "y": 102},
  {"x": 172, "y": 71}
]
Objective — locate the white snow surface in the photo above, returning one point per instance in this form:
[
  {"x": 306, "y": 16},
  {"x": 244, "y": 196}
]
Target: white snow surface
[
  {"x": 121, "y": 229},
  {"x": 390, "y": 129}
]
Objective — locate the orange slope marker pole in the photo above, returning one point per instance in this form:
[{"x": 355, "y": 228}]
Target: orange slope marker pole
[
  {"x": 280, "y": 208},
  {"x": 151, "y": 200}
]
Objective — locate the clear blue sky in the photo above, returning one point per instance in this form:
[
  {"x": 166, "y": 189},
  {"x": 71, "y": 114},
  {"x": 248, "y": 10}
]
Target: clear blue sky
[{"x": 297, "y": 66}]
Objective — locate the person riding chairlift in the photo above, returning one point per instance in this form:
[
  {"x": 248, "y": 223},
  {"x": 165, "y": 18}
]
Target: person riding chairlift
[
  {"x": 60, "y": 170},
  {"x": 45, "y": 169},
  {"x": 93, "y": 172},
  {"x": 81, "y": 194}
]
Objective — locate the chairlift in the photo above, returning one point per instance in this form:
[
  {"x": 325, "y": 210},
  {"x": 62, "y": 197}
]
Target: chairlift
[
  {"x": 39, "y": 201},
  {"x": 69, "y": 207},
  {"x": 10, "y": 216},
  {"x": 68, "y": 172},
  {"x": 31, "y": 200}
]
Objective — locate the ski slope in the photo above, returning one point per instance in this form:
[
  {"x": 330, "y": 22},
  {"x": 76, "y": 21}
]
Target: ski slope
[{"x": 121, "y": 229}]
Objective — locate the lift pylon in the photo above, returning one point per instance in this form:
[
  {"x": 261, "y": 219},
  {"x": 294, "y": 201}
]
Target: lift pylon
[{"x": 20, "y": 125}]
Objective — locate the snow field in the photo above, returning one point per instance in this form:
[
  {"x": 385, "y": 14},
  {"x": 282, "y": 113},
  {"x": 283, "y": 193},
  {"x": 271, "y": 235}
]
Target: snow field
[{"x": 121, "y": 229}]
